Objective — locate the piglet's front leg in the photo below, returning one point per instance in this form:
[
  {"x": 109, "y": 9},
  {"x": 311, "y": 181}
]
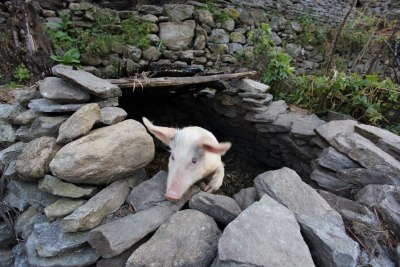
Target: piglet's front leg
[{"x": 215, "y": 180}]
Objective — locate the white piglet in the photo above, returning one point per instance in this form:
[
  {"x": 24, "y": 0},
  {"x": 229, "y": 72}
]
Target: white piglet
[{"x": 195, "y": 158}]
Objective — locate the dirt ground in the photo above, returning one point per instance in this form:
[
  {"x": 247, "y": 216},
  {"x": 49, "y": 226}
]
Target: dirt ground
[{"x": 6, "y": 96}]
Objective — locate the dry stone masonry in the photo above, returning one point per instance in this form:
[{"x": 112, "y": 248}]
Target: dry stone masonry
[{"x": 84, "y": 196}]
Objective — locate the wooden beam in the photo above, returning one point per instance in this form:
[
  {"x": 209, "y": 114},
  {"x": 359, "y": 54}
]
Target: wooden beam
[{"x": 176, "y": 81}]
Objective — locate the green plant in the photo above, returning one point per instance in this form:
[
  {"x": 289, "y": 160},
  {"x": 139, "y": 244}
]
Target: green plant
[
  {"x": 220, "y": 16},
  {"x": 22, "y": 74},
  {"x": 368, "y": 98},
  {"x": 273, "y": 65},
  {"x": 161, "y": 45},
  {"x": 278, "y": 68},
  {"x": 71, "y": 57},
  {"x": 62, "y": 33}
]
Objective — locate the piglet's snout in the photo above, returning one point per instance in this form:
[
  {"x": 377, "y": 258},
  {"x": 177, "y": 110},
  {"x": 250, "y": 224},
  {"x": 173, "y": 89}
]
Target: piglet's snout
[{"x": 172, "y": 195}]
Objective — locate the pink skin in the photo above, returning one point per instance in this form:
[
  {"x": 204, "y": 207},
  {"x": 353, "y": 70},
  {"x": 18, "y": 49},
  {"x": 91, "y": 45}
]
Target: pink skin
[{"x": 195, "y": 154}]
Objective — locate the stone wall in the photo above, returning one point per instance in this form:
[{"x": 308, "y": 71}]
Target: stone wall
[
  {"x": 72, "y": 160},
  {"x": 192, "y": 37}
]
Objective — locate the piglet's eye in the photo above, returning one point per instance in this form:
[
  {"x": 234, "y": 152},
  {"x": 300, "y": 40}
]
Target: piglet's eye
[
  {"x": 194, "y": 160},
  {"x": 172, "y": 157}
]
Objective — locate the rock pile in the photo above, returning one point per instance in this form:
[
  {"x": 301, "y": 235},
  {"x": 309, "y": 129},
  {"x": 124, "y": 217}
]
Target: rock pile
[{"x": 78, "y": 179}]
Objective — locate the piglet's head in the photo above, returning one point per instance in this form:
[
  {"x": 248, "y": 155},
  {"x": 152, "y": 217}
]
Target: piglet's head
[{"x": 195, "y": 153}]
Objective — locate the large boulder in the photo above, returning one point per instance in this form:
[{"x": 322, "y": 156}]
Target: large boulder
[
  {"x": 189, "y": 238},
  {"x": 265, "y": 234},
  {"x": 177, "y": 35},
  {"x": 321, "y": 225},
  {"x": 105, "y": 155}
]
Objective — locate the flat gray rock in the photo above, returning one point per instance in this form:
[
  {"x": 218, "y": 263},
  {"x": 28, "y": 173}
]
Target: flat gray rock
[
  {"x": 305, "y": 126},
  {"x": 321, "y": 224},
  {"x": 246, "y": 197},
  {"x": 112, "y": 115},
  {"x": 385, "y": 199},
  {"x": 25, "y": 222},
  {"x": 219, "y": 36},
  {"x": 151, "y": 193},
  {"x": 53, "y": 242},
  {"x": 251, "y": 86},
  {"x": 222, "y": 208},
  {"x": 90, "y": 215},
  {"x": 389, "y": 147},
  {"x": 23, "y": 96},
  {"x": 265, "y": 234},
  {"x": 121, "y": 259},
  {"x": 57, "y": 187},
  {"x": 188, "y": 238},
  {"x": 328, "y": 179},
  {"x": 379, "y": 174},
  {"x": 7, "y": 133},
  {"x": 271, "y": 114},
  {"x": 33, "y": 162},
  {"x": 363, "y": 151},
  {"x": 11, "y": 153},
  {"x": 90, "y": 83},
  {"x": 374, "y": 134},
  {"x": 336, "y": 116},
  {"x": 80, "y": 257},
  {"x": 30, "y": 193},
  {"x": 177, "y": 12},
  {"x": 137, "y": 178},
  {"x": 9, "y": 112},
  {"x": 41, "y": 126},
  {"x": 350, "y": 210},
  {"x": 57, "y": 89},
  {"x": 329, "y": 130},
  {"x": 16, "y": 202},
  {"x": 7, "y": 237},
  {"x": 87, "y": 160},
  {"x": 113, "y": 238},
  {"x": 10, "y": 171},
  {"x": 27, "y": 117},
  {"x": 332, "y": 159},
  {"x": 49, "y": 106},
  {"x": 62, "y": 208},
  {"x": 283, "y": 123},
  {"x": 79, "y": 124},
  {"x": 177, "y": 35}
]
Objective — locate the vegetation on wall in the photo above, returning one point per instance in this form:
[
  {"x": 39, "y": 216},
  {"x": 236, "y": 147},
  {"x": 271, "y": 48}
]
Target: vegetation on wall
[
  {"x": 68, "y": 43},
  {"x": 368, "y": 98}
]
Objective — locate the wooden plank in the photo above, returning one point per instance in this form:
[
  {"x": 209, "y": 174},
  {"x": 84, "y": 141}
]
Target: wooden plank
[{"x": 176, "y": 81}]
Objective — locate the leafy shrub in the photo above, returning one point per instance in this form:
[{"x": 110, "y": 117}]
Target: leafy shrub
[
  {"x": 106, "y": 31},
  {"x": 22, "y": 74},
  {"x": 274, "y": 66},
  {"x": 366, "y": 98}
]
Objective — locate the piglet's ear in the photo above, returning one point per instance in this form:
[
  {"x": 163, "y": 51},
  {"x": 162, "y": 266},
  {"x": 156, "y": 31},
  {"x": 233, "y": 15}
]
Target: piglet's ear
[
  {"x": 165, "y": 134},
  {"x": 214, "y": 147}
]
